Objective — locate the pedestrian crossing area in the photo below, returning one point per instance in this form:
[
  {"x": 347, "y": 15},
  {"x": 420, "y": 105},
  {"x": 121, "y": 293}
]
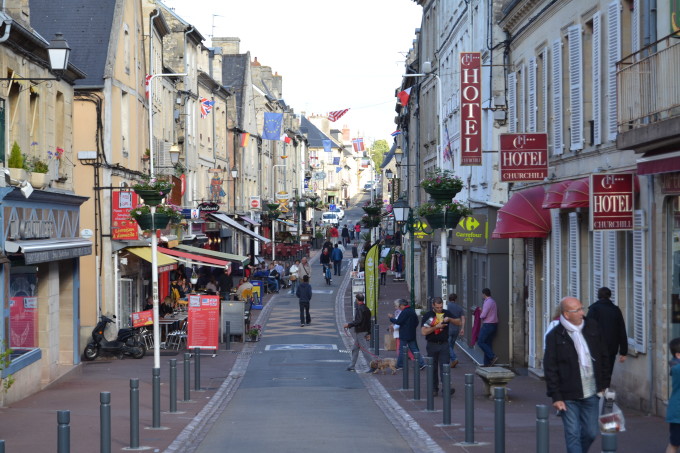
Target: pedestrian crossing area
[{"x": 285, "y": 320}]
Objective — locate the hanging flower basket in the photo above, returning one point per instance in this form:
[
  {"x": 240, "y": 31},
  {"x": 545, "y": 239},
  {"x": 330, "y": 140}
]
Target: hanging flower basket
[
  {"x": 372, "y": 210},
  {"x": 157, "y": 222},
  {"x": 442, "y": 185},
  {"x": 448, "y": 220},
  {"x": 150, "y": 196},
  {"x": 441, "y": 195},
  {"x": 272, "y": 206},
  {"x": 370, "y": 221}
]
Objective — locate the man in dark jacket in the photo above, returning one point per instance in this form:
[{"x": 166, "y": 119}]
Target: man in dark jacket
[
  {"x": 576, "y": 370},
  {"x": 435, "y": 327},
  {"x": 361, "y": 330},
  {"x": 304, "y": 294},
  {"x": 336, "y": 257},
  {"x": 345, "y": 235},
  {"x": 408, "y": 323},
  {"x": 610, "y": 320}
]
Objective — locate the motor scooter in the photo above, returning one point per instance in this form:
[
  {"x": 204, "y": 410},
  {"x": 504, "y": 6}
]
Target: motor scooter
[{"x": 128, "y": 342}]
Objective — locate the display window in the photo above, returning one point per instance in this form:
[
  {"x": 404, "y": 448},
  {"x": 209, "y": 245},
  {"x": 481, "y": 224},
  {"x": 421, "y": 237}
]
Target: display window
[{"x": 23, "y": 309}]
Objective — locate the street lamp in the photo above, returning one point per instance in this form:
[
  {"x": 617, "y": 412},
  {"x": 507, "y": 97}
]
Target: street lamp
[
  {"x": 174, "y": 154},
  {"x": 389, "y": 174},
  {"x": 234, "y": 175},
  {"x": 403, "y": 215},
  {"x": 58, "y": 52}
]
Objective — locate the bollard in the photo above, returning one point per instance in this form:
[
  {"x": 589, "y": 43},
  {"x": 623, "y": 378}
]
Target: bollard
[
  {"x": 499, "y": 419},
  {"x": 376, "y": 344},
  {"x": 227, "y": 336},
  {"x": 469, "y": 408},
  {"x": 371, "y": 340},
  {"x": 156, "y": 397},
  {"x": 187, "y": 376},
  {"x": 416, "y": 377},
  {"x": 134, "y": 413},
  {"x": 446, "y": 393},
  {"x": 404, "y": 375},
  {"x": 105, "y": 422},
  {"x": 63, "y": 432},
  {"x": 430, "y": 383},
  {"x": 197, "y": 369},
  {"x": 173, "y": 386},
  {"x": 542, "y": 433},
  {"x": 609, "y": 443}
]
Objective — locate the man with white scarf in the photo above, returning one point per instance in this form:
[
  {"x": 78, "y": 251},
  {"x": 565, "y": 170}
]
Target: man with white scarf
[{"x": 576, "y": 369}]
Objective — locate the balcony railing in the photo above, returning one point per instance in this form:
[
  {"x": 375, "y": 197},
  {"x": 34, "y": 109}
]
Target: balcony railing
[{"x": 648, "y": 87}]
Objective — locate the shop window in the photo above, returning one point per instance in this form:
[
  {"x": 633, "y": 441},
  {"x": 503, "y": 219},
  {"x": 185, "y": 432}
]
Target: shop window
[{"x": 23, "y": 309}]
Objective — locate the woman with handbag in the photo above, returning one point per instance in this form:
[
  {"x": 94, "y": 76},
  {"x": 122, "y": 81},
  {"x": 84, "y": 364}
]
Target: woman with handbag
[{"x": 293, "y": 276}]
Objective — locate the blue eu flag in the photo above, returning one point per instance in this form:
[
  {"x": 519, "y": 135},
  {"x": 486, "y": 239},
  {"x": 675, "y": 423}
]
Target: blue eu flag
[
  {"x": 272, "y": 126},
  {"x": 327, "y": 146}
]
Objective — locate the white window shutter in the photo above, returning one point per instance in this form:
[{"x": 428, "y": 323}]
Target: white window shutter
[
  {"x": 546, "y": 71},
  {"x": 613, "y": 56},
  {"x": 521, "y": 102},
  {"x": 547, "y": 305},
  {"x": 639, "y": 289},
  {"x": 598, "y": 260},
  {"x": 635, "y": 27},
  {"x": 531, "y": 299},
  {"x": 574, "y": 256},
  {"x": 531, "y": 107},
  {"x": 512, "y": 102},
  {"x": 597, "y": 79},
  {"x": 612, "y": 264},
  {"x": 556, "y": 236},
  {"x": 557, "y": 96},
  {"x": 576, "y": 87}
]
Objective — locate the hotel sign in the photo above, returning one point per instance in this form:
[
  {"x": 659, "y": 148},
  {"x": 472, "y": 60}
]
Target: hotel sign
[
  {"x": 524, "y": 157},
  {"x": 611, "y": 201},
  {"x": 471, "y": 108}
]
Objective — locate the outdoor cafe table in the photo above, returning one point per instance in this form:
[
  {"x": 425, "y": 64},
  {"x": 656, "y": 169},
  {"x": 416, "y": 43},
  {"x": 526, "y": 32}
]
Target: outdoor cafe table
[{"x": 168, "y": 321}]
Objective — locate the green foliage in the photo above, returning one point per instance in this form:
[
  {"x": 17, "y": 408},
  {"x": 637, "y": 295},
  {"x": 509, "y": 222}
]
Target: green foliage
[
  {"x": 377, "y": 153},
  {"x": 5, "y": 361},
  {"x": 38, "y": 166},
  {"x": 16, "y": 159}
]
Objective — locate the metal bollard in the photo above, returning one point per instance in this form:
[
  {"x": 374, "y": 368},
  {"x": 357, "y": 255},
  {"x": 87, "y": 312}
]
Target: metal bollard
[
  {"x": 197, "y": 369},
  {"x": 499, "y": 419},
  {"x": 156, "y": 397},
  {"x": 446, "y": 393},
  {"x": 105, "y": 422},
  {"x": 376, "y": 343},
  {"x": 430, "y": 383},
  {"x": 542, "y": 433},
  {"x": 416, "y": 377},
  {"x": 227, "y": 335},
  {"x": 469, "y": 409},
  {"x": 609, "y": 443},
  {"x": 173, "y": 386},
  {"x": 134, "y": 413},
  {"x": 187, "y": 376},
  {"x": 63, "y": 432},
  {"x": 404, "y": 375}
]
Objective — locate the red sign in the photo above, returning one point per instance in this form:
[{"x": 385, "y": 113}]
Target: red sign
[
  {"x": 254, "y": 202},
  {"x": 471, "y": 108},
  {"x": 122, "y": 226},
  {"x": 204, "y": 321},
  {"x": 182, "y": 183},
  {"x": 142, "y": 318},
  {"x": 611, "y": 201},
  {"x": 670, "y": 183},
  {"x": 524, "y": 157}
]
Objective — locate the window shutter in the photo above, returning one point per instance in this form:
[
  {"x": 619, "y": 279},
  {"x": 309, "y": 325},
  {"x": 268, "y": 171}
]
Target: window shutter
[
  {"x": 612, "y": 264},
  {"x": 556, "y": 234},
  {"x": 598, "y": 258},
  {"x": 557, "y": 96},
  {"x": 521, "y": 102},
  {"x": 531, "y": 299},
  {"x": 512, "y": 102},
  {"x": 639, "y": 289},
  {"x": 613, "y": 56},
  {"x": 547, "y": 306},
  {"x": 635, "y": 27},
  {"x": 597, "y": 82},
  {"x": 532, "y": 107},
  {"x": 546, "y": 71},
  {"x": 576, "y": 87},
  {"x": 574, "y": 256}
]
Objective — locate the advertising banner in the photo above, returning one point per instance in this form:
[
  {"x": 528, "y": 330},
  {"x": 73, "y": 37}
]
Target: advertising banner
[
  {"x": 204, "y": 321},
  {"x": 524, "y": 157},
  {"x": 471, "y": 231},
  {"x": 611, "y": 201},
  {"x": 122, "y": 226},
  {"x": 142, "y": 318},
  {"x": 371, "y": 278},
  {"x": 470, "y": 108}
]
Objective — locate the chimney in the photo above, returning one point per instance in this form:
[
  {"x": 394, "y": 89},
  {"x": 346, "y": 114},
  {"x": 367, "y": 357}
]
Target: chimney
[
  {"x": 229, "y": 45},
  {"x": 255, "y": 63}
]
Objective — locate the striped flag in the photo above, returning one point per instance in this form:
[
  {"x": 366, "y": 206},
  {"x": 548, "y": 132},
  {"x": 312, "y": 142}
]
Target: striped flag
[
  {"x": 334, "y": 116},
  {"x": 404, "y": 95},
  {"x": 245, "y": 137},
  {"x": 395, "y": 133},
  {"x": 147, "y": 79},
  {"x": 358, "y": 144},
  {"x": 206, "y": 107}
]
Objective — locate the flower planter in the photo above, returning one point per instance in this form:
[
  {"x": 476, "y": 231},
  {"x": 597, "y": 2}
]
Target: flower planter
[
  {"x": 253, "y": 338},
  {"x": 371, "y": 221},
  {"x": 151, "y": 197},
  {"x": 272, "y": 206},
  {"x": 448, "y": 220},
  {"x": 39, "y": 180},
  {"x": 146, "y": 222},
  {"x": 442, "y": 194},
  {"x": 18, "y": 174},
  {"x": 371, "y": 210}
]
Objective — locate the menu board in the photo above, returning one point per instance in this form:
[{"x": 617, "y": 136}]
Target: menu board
[
  {"x": 142, "y": 318},
  {"x": 204, "y": 318}
]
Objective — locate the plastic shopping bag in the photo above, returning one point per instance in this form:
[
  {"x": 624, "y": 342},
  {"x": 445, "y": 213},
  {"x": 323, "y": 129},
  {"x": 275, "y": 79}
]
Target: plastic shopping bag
[{"x": 611, "y": 418}]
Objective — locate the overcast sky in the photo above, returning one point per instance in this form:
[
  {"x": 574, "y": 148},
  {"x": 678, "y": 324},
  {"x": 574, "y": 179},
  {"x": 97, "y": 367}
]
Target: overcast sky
[{"x": 332, "y": 54}]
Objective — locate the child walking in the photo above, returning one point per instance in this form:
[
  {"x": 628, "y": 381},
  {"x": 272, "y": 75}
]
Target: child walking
[
  {"x": 673, "y": 411},
  {"x": 382, "y": 268}
]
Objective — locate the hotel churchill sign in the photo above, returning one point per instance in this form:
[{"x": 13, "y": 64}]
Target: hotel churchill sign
[
  {"x": 611, "y": 201},
  {"x": 471, "y": 108},
  {"x": 523, "y": 157}
]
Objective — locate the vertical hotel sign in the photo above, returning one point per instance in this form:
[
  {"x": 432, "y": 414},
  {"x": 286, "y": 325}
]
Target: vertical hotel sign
[
  {"x": 471, "y": 108},
  {"x": 611, "y": 201}
]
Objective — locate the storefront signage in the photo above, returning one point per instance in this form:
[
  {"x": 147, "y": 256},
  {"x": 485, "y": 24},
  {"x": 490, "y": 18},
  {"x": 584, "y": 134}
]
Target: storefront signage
[
  {"x": 255, "y": 203},
  {"x": 31, "y": 229},
  {"x": 56, "y": 254},
  {"x": 471, "y": 108},
  {"x": 208, "y": 207},
  {"x": 611, "y": 201},
  {"x": 471, "y": 231},
  {"x": 523, "y": 157},
  {"x": 204, "y": 320},
  {"x": 670, "y": 183},
  {"x": 123, "y": 228}
]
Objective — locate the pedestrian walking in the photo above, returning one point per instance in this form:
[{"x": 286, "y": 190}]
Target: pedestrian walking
[
  {"x": 673, "y": 411},
  {"x": 304, "y": 294},
  {"x": 455, "y": 330},
  {"x": 360, "y": 329},
  {"x": 608, "y": 316},
  {"x": 576, "y": 369},
  {"x": 345, "y": 235},
  {"x": 408, "y": 323},
  {"x": 489, "y": 317},
  {"x": 336, "y": 257},
  {"x": 397, "y": 265},
  {"x": 334, "y": 234},
  {"x": 293, "y": 276},
  {"x": 325, "y": 260},
  {"x": 304, "y": 269},
  {"x": 435, "y": 327},
  {"x": 357, "y": 231},
  {"x": 382, "y": 268}
]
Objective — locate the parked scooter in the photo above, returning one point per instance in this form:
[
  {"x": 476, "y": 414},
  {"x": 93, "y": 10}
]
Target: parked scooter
[{"x": 129, "y": 342}]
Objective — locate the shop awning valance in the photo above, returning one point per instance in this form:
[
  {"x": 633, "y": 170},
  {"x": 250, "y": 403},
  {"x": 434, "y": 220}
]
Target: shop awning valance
[
  {"x": 228, "y": 221},
  {"x": 192, "y": 257},
  {"x": 164, "y": 262},
  {"x": 286, "y": 222},
  {"x": 44, "y": 250},
  {"x": 523, "y": 216},
  {"x": 660, "y": 163},
  {"x": 212, "y": 253},
  {"x": 555, "y": 194},
  {"x": 577, "y": 195},
  {"x": 248, "y": 220}
]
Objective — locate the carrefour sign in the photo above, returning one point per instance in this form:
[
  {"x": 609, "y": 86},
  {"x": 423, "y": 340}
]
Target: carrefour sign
[{"x": 472, "y": 230}]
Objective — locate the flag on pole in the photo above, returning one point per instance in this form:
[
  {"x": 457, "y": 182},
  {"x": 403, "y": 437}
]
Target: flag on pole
[
  {"x": 285, "y": 138},
  {"x": 336, "y": 161},
  {"x": 395, "y": 133},
  {"x": 404, "y": 95},
  {"x": 272, "y": 126},
  {"x": 206, "y": 107},
  {"x": 371, "y": 278},
  {"x": 334, "y": 116},
  {"x": 447, "y": 149},
  {"x": 147, "y": 80},
  {"x": 358, "y": 144},
  {"x": 245, "y": 137},
  {"x": 327, "y": 146},
  {"x": 338, "y": 169}
]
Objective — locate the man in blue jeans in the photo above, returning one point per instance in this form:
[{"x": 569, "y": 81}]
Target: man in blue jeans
[
  {"x": 487, "y": 333},
  {"x": 576, "y": 366},
  {"x": 408, "y": 323}
]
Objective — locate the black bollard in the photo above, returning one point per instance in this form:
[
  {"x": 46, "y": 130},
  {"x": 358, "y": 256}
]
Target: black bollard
[
  {"x": 187, "y": 376},
  {"x": 499, "y": 419},
  {"x": 542, "y": 435},
  {"x": 416, "y": 377},
  {"x": 197, "y": 369},
  {"x": 105, "y": 422},
  {"x": 430, "y": 383},
  {"x": 156, "y": 397},
  {"x": 134, "y": 413},
  {"x": 63, "y": 432},
  {"x": 227, "y": 335},
  {"x": 376, "y": 343},
  {"x": 469, "y": 409},
  {"x": 609, "y": 443},
  {"x": 446, "y": 393},
  {"x": 173, "y": 386},
  {"x": 404, "y": 375}
]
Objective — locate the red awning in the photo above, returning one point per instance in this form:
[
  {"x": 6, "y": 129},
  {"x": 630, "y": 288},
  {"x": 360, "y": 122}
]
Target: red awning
[
  {"x": 555, "y": 194},
  {"x": 194, "y": 257},
  {"x": 577, "y": 194},
  {"x": 660, "y": 163},
  {"x": 523, "y": 216}
]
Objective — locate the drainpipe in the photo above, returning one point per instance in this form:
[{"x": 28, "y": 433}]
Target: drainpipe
[
  {"x": 191, "y": 177},
  {"x": 8, "y": 24},
  {"x": 651, "y": 349}
]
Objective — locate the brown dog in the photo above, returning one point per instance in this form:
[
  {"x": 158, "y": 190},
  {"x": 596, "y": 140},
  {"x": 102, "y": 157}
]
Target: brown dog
[{"x": 383, "y": 364}]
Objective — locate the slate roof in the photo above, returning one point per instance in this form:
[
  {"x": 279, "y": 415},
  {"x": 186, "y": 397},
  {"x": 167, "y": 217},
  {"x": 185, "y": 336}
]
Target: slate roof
[
  {"x": 233, "y": 76},
  {"x": 390, "y": 154},
  {"x": 315, "y": 137},
  {"x": 86, "y": 26}
]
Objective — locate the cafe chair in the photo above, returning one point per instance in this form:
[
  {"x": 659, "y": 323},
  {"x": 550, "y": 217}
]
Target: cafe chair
[{"x": 177, "y": 337}]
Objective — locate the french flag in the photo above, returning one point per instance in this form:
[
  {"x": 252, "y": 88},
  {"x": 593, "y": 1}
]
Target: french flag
[{"x": 403, "y": 96}]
